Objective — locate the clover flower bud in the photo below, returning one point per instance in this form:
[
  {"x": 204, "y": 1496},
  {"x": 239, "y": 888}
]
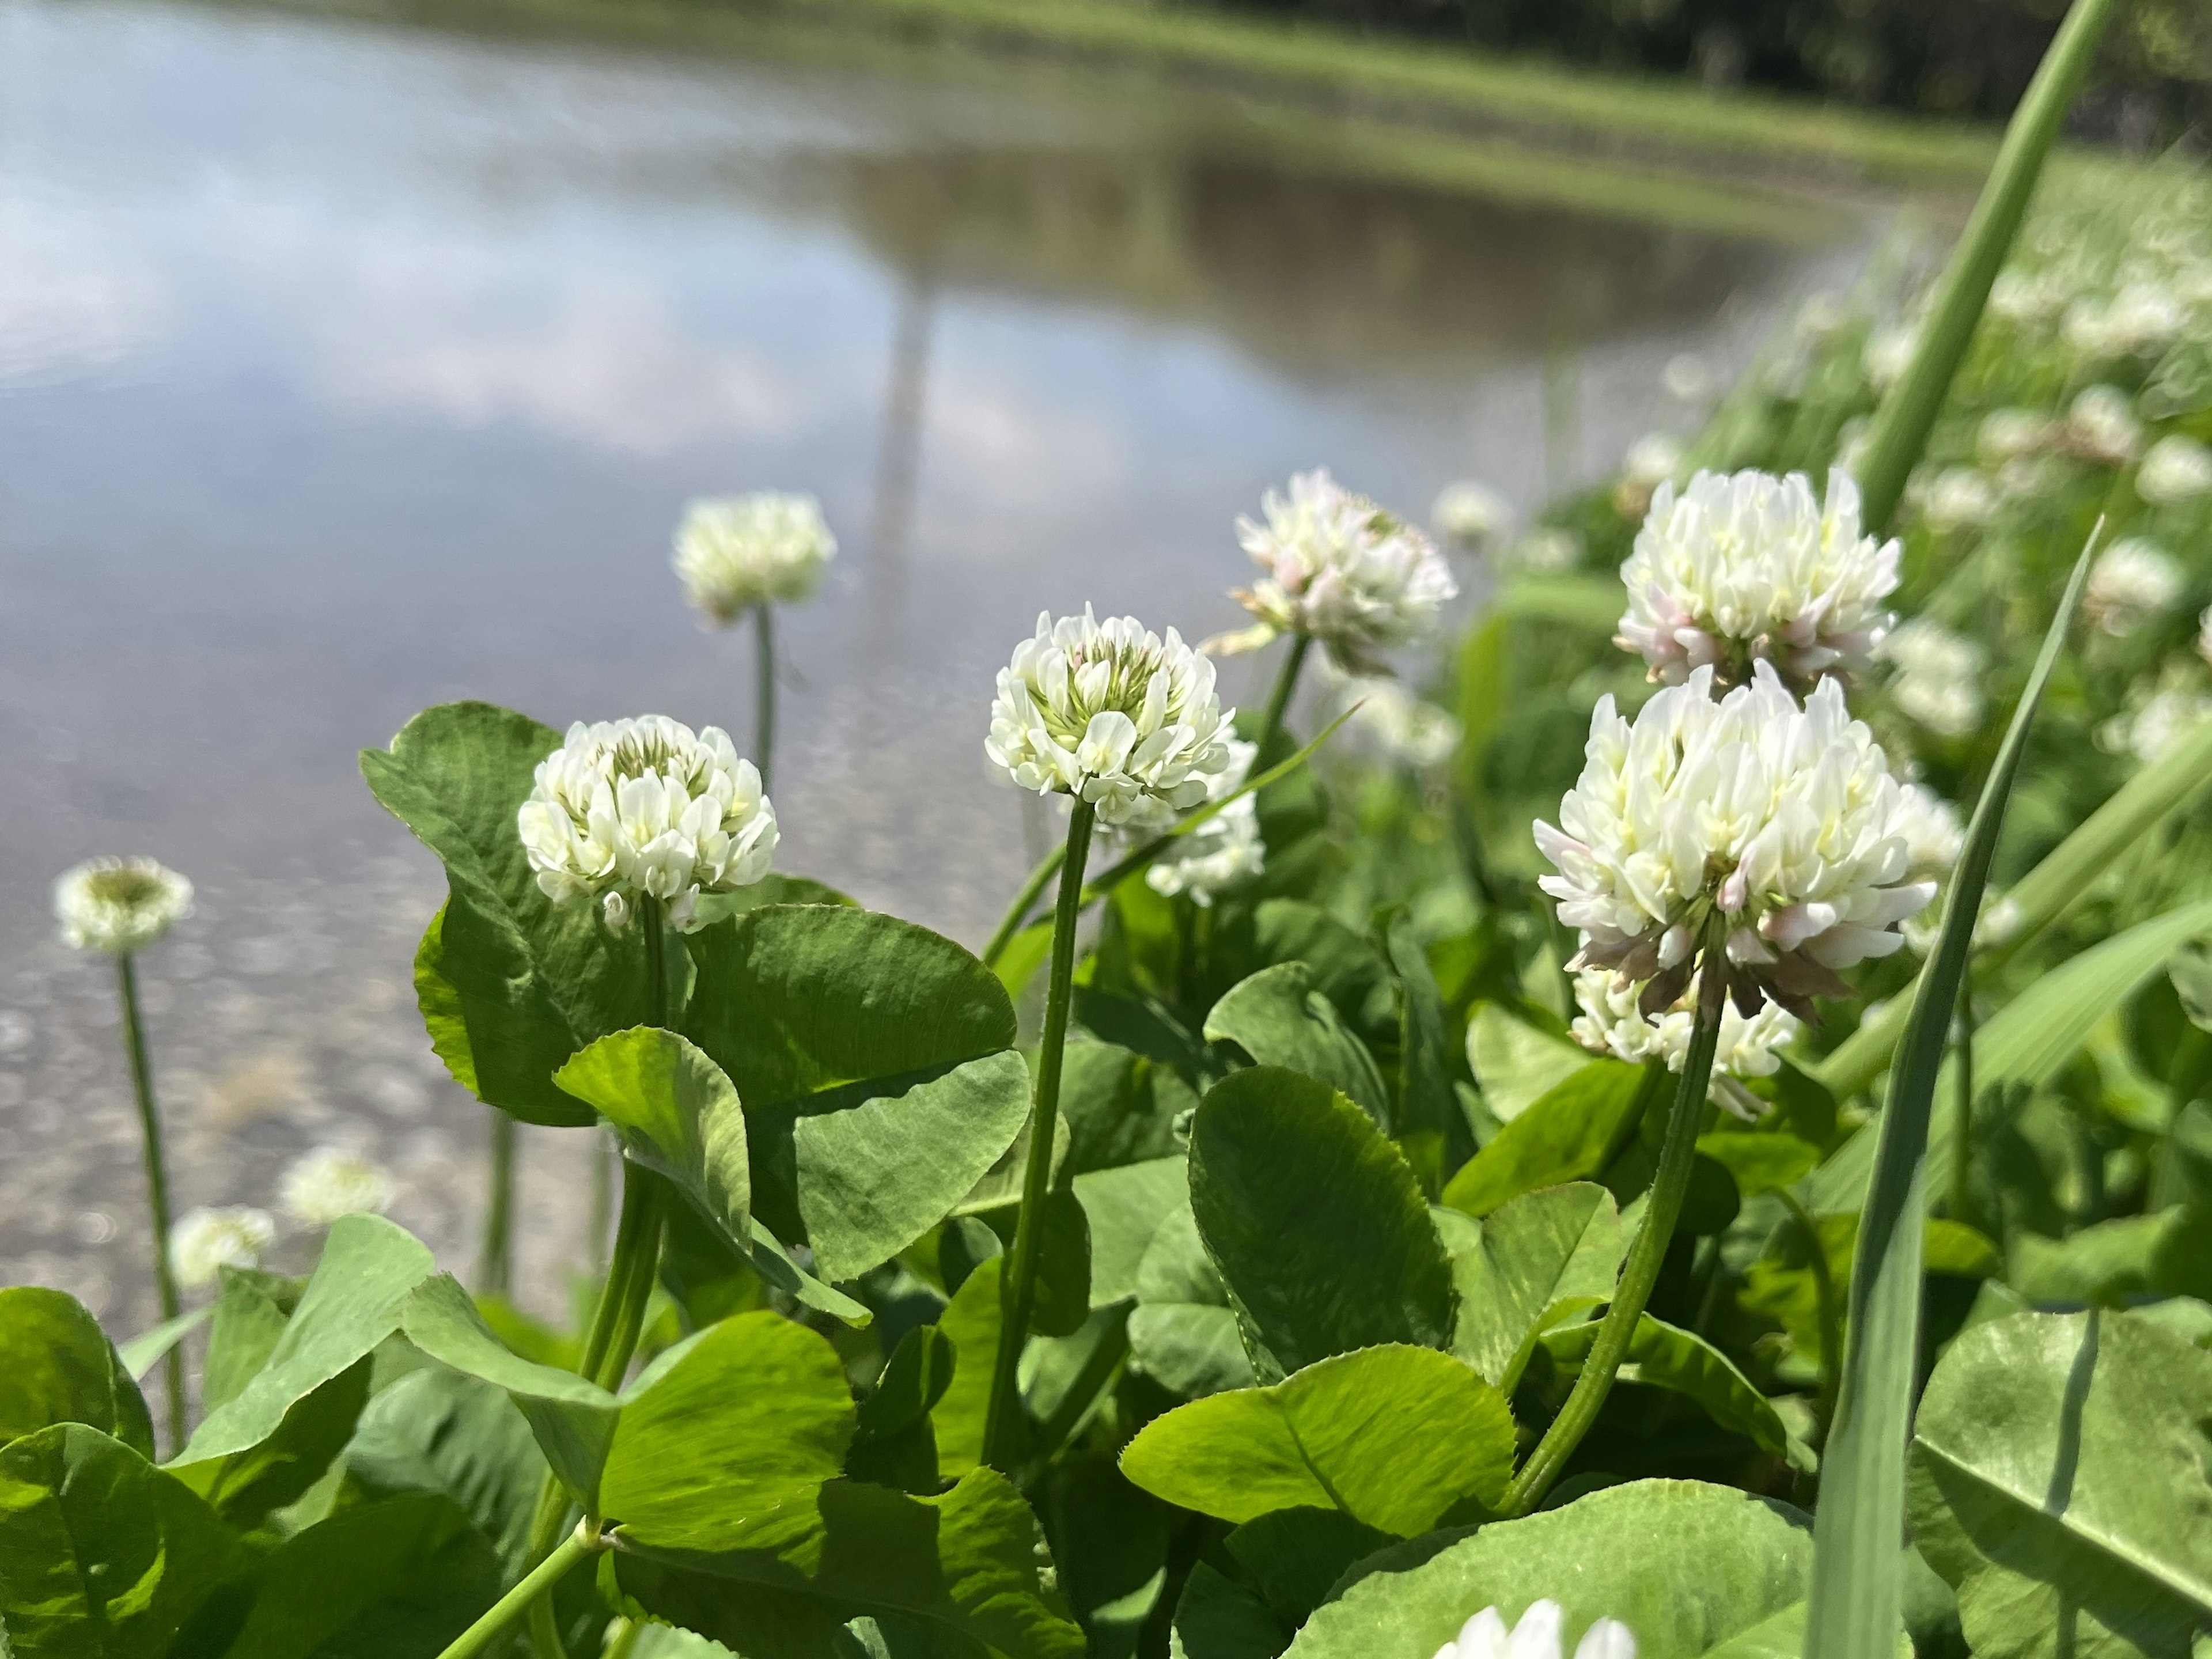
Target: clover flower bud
[
  {"x": 319, "y": 1186},
  {"x": 206, "y": 1241},
  {"x": 1939, "y": 676},
  {"x": 1111, "y": 712},
  {"x": 1537, "y": 1635},
  {"x": 1784, "y": 820},
  {"x": 2132, "y": 581},
  {"x": 116, "y": 906},
  {"x": 1469, "y": 514},
  {"x": 2100, "y": 426},
  {"x": 1224, "y": 852},
  {"x": 1340, "y": 569},
  {"x": 645, "y": 807},
  {"x": 1611, "y": 1023},
  {"x": 1747, "y": 567},
  {"x": 2176, "y": 468},
  {"x": 734, "y": 552}
]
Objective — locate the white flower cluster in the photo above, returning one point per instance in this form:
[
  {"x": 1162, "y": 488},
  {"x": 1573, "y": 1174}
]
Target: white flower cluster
[
  {"x": 1342, "y": 570},
  {"x": 319, "y": 1186},
  {"x": 1391, "y": 722},
  {"x": 1649, "y": 462},
  {"x": 1536, "y": 1636},
  {"x": 1747, "y": 566},
  {"x": 2132, "y": 581},
  {"x": 1224, "y": 852},
  {"x": 1470, "y": 515},
  {"x": 204, "y": 1242},
  {"x": 119, "y": 905},
  {"x": 1114, "y": 714},
  {"x": 1611, "y": 1023},
  {"x": 1786, "y": 820},
  {"x": 1939, "y": 676},
  {"x": 734, "y": 552},
  {"x": 2156, "y": 729},
  {"x": 2100, "y": 426},
  {"x": 645, "y": 806},
  {"x": 2175, "y": 469}
]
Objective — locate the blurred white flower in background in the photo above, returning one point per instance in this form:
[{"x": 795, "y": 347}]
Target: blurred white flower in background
[
  {"x": 2155, "y": 730},
  {"x": 319, "y": 1186},
  {"x": 205, "y": 1241},
  {"x": 1651, "y": 461},
  {"x": 2019, "y": 298},
  {"x": 1340, "y": 569},
  {"x": 1545, "y": 552},
  {"x": 1112, "y": 713},
  {"x": 2176, "y": 468},
  {"x": 1469, "y": 514},
  {"x": 1611, "y": 1024},
  {"x": 1785, "y": 820},
  {"x": 1939, "y": 676},
  {"x": 1390, "y": 720},
  {"x": 1225, "y": 850},
  {"x": 2141, "y": 316},
  {"x": 1747, "y": 566},
  {"x": 119, "y": 905},
  {"x": 734, "y": 552},
  {"x": 2204, "y": 635},
  {"x": 1537, "y": 1635},
  {"x": 1687, "y": 378},
  {"x": 1889, "y": 351},
  {"x": 2011, "y": 434},
  {"x": 1960, "y": 499},
  {"x": 2101, "y": 426},
  {"x": 645, "y": 806},
  {"x": 2132, "y": 579}
]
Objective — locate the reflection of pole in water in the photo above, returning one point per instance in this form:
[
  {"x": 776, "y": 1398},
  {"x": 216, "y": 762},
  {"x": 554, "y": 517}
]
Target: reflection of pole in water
[{"x": 898, "y": 461}]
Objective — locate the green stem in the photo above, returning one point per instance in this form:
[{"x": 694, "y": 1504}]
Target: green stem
[
  {"x": 1824, "y": 1298},
  {"x": 1962, "y": 1141},
  {"x": 485, "y": 1636},
  {"x": 1664, "y": 1206},
  {"x": 764, "y": 700},
  {"x": 1278, "y": 699},
  {"x": 1018, "y": 911},
  {"x": 495, "y": 1260},
  {"x": 157, "y": 1186},
  {"x": 1018, "y": 1291}
]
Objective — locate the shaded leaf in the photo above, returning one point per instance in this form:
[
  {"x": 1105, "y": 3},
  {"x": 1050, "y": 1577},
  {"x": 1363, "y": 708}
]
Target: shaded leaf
[
  {"x": 1515, "y": 1064},
  {"x": 1218, "y": 1617},
  {"x": 1538, "y": 1259},
  {"x": 1570, "y": 1134},
  {"x": 1124, "y": 1207},
  {"x": 1183, "y": 1331},
  {"x": 436, "y": 1431},
  {"x": 57, "y": 1366},
  {"x": 1280, "y": 1019},
  {"x": 1666, "y": 1357},
  {"x": 971, "y": 1321}
]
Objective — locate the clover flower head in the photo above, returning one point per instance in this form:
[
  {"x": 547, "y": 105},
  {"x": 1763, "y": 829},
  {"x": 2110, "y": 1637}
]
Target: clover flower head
[
  {"x": 1114, "y": 714},
  {"x": 1784, "y": 821},
  {"x": 645, "y": 807},
  {"x": 2100, "y": 426},
  {"x": 1960, "y": 499},
  {"x": 1537, "y": 1635},
  {"x": 2132, "y": 581},
  {"x": 1547, "y": 551},
  {"x": 1745, "y": 566},
  {"x": 1342, "y": 570},
  {"x": 2022, "y": 298},
  {"x": 116, "y": 906},
  {"x": 733, "y": 552},
  {"x": 1888, "y": 354},
  {"x": 206, "y": 1241},
  {"x": 1649, "y": 462},
  {"x": 2011, "y": 434},
  {"x": 2176, "y": 468},
  {"x": 1391, "y": 722},
  {"x": 1224, "y": 852},
  {"x": 319, "y": 1186},
  {"x": 1469, "y": 514},
  {"x": 1939, "y": 674},
  {"x": 2141, "y": 316},
  {"x": 1611, "y": 1023},
  {"x": 2155, "y": 730}
]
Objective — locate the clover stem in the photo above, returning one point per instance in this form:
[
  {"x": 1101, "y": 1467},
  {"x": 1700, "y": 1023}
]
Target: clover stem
[
  {"x": 496, "y": 1260},
  {"x": 1017, "y": 1293},
  {"x": 1677, "y": 1154},
  {"x": 764, "y": 700},
  {"x": 1278, "y": 699},
  {"x": 532, "y": 1593},
  {"x": 157, "y": 1186},
  {"x": 1830, "y": 1311},
  {"x": 1018, "y": 911}
]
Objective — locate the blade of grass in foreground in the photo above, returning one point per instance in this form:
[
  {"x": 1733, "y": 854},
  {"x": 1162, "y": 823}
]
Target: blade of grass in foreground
[
  {"x": 1857, "y": 1593},
  {"x": 1902, "y": 422}
]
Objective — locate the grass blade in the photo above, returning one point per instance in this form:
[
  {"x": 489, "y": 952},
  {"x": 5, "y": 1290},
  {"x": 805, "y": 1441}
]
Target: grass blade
[
  {"x": 1902, "y": 422},
  {"x": 1857, "y": 1590}
]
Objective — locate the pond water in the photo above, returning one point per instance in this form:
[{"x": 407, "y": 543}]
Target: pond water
[{"x": 347, "y": 366}]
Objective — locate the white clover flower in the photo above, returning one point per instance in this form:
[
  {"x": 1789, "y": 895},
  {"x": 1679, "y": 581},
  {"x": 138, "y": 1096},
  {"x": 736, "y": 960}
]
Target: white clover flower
[
  {"x": 1745, "y": 566},
  {"x": 205, "y": 1241},
  {"x": 319, "y": 1186},
  {"x": 1785, "y": 820},
  {"x": 1930, "y": 827},
  {"x": 1537, "y": 1635},
  {"x": 1889, "y": 351},
  {"x": 119, "y": 905},
  {"x": 1821, "y": 315},
  {"x": 1611, "y": 1024},
  {"x": 1686, "y": 377},
  {"x": 2177, "y": 468},
  {"x": 1939, "y": 674},
  {"x": 1651, "y": 461},
  {"x": 2101, "y": 426},
  {"x": 1114, "y": 714},
  {"x": 1224, "y": 852},
  {"x": 2018, "y": 298},
  {"x": 1340, "y": 569},
  {"x": 2204, "y": 635},
  {"x": 1960, "y": 499},
  {"x": 1470, "y": 515},
  {"x": 645, "y": 806},
  {"x": 2158, "y": 727},
  {"x": 1549, "y": 551},
  {"x": 2131, "y": 581},
  {"x": 2141, "y": 316},
  {"x": 1392, "y": 721},
  {"x": 734, "y": 552},
  {"x": 2012, "y": 435}
]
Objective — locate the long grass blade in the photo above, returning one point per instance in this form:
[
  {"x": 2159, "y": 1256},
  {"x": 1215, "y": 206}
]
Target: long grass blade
[
  {"x": 1858, "y": 1591},
  {"x": 1901, "y": 424}
]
